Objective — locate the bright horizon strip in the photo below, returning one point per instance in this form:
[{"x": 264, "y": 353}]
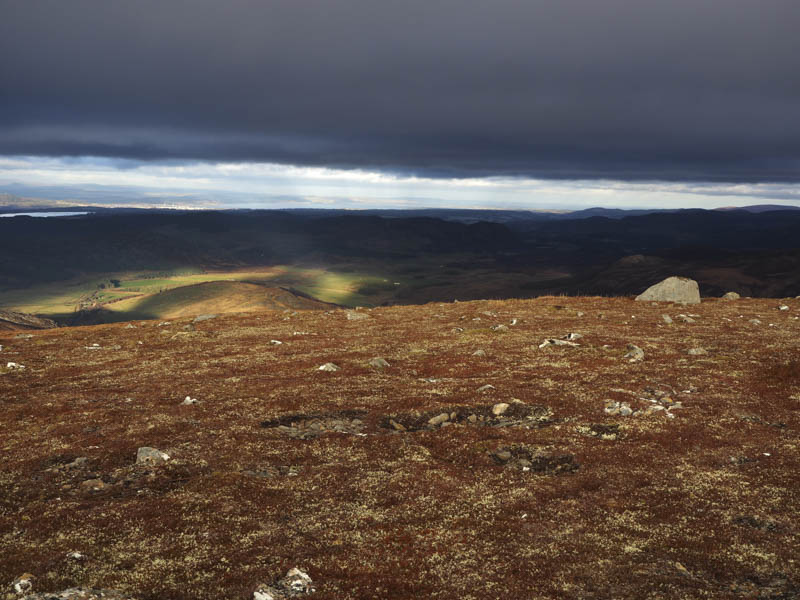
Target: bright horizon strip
[{"x": 269, "y": 185}]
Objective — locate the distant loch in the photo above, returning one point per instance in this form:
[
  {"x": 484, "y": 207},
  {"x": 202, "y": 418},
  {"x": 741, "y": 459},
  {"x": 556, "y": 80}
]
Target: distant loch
[{"x": 44, "y": 214}]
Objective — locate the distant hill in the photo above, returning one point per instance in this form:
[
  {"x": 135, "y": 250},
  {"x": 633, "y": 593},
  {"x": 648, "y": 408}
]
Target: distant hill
[
  {"x": 212, "y": 297},
  {"x": 759, "y": 208},
  {"x": 11, "y": 320}
]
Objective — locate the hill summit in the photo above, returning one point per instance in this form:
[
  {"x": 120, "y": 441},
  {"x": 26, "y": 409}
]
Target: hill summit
[{"x": 578, "y": 447}]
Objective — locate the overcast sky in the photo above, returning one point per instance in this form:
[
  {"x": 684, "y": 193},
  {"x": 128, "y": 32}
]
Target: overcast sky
[{"x": 351, "y": 102}]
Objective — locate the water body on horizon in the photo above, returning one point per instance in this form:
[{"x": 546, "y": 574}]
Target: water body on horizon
[{"x": 45, "y": 214}]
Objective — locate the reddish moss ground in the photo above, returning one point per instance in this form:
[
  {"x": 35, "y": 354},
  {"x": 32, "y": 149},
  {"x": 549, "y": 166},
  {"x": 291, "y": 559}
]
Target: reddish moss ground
[{"x": 702, "y": 505}]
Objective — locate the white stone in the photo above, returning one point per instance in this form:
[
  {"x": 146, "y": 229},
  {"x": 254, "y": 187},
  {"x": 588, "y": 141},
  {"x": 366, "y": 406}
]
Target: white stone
[
  {"x": 438, "y": 419},
  {"x": 500, "y": 408},
  {"x": 329, "y": 367},
  {"x": 151, "y": 456},
  {"x": 681, "y": 290},
  {"x": 356, "y": 316},
  {"x": 555, "y": 342},
  {"x": 634, "y": 354}
]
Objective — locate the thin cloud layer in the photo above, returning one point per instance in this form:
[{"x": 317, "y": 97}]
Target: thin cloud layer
[{"x": 576, "y": 89}]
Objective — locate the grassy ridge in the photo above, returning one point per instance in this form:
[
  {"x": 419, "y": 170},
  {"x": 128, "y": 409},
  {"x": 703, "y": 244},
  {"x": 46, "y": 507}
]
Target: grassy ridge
[{"x": 132, "y": 289}]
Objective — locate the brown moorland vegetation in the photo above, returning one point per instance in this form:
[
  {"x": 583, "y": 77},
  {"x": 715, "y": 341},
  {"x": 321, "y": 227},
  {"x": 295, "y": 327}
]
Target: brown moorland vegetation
[{"x": 279, "y": 464}]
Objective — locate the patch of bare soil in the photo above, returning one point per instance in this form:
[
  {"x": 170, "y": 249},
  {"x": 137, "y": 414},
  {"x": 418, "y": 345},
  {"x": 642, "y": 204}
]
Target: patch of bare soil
[{"x": 212, "y": 458}]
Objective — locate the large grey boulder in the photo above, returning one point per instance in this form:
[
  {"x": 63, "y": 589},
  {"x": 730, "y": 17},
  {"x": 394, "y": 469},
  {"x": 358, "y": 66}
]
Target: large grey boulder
[{"x": 681, "y": 290}]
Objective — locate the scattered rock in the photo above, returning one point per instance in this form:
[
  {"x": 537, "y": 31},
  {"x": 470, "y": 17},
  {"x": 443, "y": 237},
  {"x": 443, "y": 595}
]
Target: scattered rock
[
  {"x": 612, "y": 407},
  {"x": 164, "y": 324},
  {"x": 783, "y": 307},
  {"x": 682, "y": 570},
  {"x": 514, "y": 414},
  {"x": 730, "y": 296},
  {"x": 275, "y": 342},
  {"x": 329, "y": 367},
  {"x": 486, "y": 388},
  {"x": 14, "y": 366},
  {"x": 755, "y": 321},
  {"x": 356, "y": 316},
  {"x": 499, "y": 327},
  {"x": 23, "y": 336},
  {"x": 305, "y": 427},
  {"x": 601, "y": 430},
  {"x": 697, "y": 351},
  {"x": 81, "y": 594},
  {"x": 188, "y": 401},
  {"x": 93, "y": 485},
  {"x": 503, "y": 455},
  {"x": 556, "y": 342},
  {"x": 756, "y": 523},
  {"x": 150, "y": 456},
  {"x": 270, "y": 471},
  {"x": 379, "y": 363},
  {"x": 78, "y": 463},
  {"x": 572, "y": 337},
  {"x": 534, "y": 460},
  {"x": 130, "y": 326},
  {"x": 76, "y": 556},
  {"x": 685, "y": 318},
  {"x": 667, "y": 319},
  {"x": 680, "y": 290},
  {"x": 634, "y": 354},
  {"x": 479, "y": 352},
  {"x": 294, "y": 583},
  {"x": 438, "y": 419},
  {"x": 500, "y": 408},
  {"x": 200, "y": 318},
  {"x": 23, "y": 584}
]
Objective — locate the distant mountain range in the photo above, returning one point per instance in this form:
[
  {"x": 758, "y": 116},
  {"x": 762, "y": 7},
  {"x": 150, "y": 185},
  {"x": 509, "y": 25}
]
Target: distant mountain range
[
  {"x": 11, "y": 203},
  {"x": 372, "y": 258}
]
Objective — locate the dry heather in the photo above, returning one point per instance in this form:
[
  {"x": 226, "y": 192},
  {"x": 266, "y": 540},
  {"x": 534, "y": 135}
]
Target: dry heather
[{"x": 278, "y": 464}]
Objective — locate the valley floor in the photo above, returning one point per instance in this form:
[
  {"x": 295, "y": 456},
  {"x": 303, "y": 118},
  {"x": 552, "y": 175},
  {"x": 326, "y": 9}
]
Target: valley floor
[{"x": 476, "y": 465}]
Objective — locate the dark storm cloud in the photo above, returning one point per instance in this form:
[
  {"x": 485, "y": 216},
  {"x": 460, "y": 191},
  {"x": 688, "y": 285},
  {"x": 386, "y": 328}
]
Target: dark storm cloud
[{"x": 678, "y": 89}]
